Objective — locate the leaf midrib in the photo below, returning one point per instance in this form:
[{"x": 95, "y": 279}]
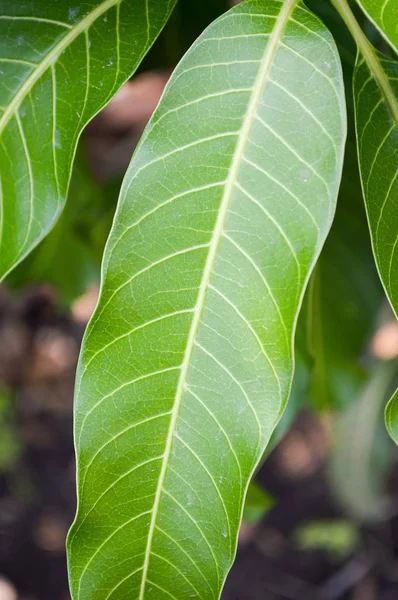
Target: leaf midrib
[
  {"x": 382, "y": 79},
  {"x": 51, "y": 58},
  {"x": 264, "y": 69}
]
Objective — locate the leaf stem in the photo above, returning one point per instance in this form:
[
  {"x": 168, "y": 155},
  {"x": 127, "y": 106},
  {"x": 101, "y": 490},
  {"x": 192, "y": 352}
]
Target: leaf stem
[{"x": 369, "y": 54}]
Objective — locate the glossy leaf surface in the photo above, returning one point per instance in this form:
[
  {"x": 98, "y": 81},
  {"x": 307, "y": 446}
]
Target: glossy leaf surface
[
  {"x": 384, "y": 14},
  {"x": 376, "y": 111},
  {"x": 187, "y": 363},
  {"x": 60, "y": 62}
]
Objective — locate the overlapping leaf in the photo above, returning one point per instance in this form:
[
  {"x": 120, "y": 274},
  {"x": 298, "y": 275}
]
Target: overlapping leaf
[
  {"x": 343, "y": 298},
  {"x": 60, "y": 62},
  {"x": 376, "y": 97},
  {"x": 376, "y": 111},
  {"x": 187, "y": 363},
  {"x": 384, "y": 14}
]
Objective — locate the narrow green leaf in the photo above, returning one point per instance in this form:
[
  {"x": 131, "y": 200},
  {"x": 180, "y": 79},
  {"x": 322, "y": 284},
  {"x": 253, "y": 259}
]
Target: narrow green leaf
[
  {"x": 384, "y": 15},
  {"x": 377, "y": 135},
  {"x": 343, "y": 298},
  {"x": 376, "y": 119},
  {"x": 59, "y": 64},
  {"x": 187, "y": 362},
  {"x": 392, "y": 417}
]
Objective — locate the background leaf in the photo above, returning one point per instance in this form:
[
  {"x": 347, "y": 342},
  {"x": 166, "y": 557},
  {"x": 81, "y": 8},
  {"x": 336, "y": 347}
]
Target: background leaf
[
  {"x": 258, "y": 502},
  {"x": 337, "y": 538},
  {"x": 187, "y": 363},
  {"x": 59, "y": 64},
  {"x": 343, "y": 299},
  {"x": 392, "y": 417},
  {"x": 384, "y": 15},
  {"x": 361, "y": 455},
  {"x": 376, "y": 112}
]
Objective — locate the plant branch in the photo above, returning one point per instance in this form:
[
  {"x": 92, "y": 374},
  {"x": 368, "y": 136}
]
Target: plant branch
[{"x": 369, "y": 54}]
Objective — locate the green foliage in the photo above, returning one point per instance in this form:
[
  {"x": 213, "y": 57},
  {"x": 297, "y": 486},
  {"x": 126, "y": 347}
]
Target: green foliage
[
  {"x": 60, "y": 63},
  {"x": 337, "y": 538},
  {"x": 392, "y": 417},
  {"x": 376, "y": 119},
  {"x": 362, "y": 451},
  {"x": 77, "y": 239},
  {"x": 233, "y": 217},
  {"x": 257, "y": 504},
  {"x": 10, "y": 445},
  {"x": 188, "y": 362},
  {"x": 342, "y": 300},
  {"x": 377, "y": 130},
  {"x": 384, "y": 14}
]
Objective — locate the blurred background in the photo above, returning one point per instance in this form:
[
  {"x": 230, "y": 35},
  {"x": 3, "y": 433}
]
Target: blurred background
[{"x": 321, "y": 518}]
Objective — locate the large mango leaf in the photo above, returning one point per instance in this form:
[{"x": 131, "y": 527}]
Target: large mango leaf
[
  {"x": 384, "y": 15},
  {"x": 60, "y": 62},
  {"x": 187, "y": 363}
]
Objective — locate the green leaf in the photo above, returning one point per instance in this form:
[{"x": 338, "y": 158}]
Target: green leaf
[
  {"x": 299, "y": 388},
  {"x": 297, "y": 399},
  {"x": 258, "y": 502},
  {"x": 342, "y": 37},
  {"x": 50, "y": 261},
  {"x": 187, "y": 363},
  {"x": 391, "y": 417},
  {"x": 77, "y": 239},
  {"x": 343, "y": 298},
  {"x": 59, "y": 64},
  {"x": 384, "y": 15},
  {"x": 376, "y": 120},
  {"x": 361, "y": 455},
  {"x": 376, "y": 109}
]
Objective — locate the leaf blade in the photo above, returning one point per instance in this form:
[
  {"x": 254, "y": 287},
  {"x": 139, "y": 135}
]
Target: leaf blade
[
  {"x": 198, "y": 222},
  {"x": 45, "y": 60},
  {"x": 384, "y": 15},
  {"x": 377, "y": 139}
]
